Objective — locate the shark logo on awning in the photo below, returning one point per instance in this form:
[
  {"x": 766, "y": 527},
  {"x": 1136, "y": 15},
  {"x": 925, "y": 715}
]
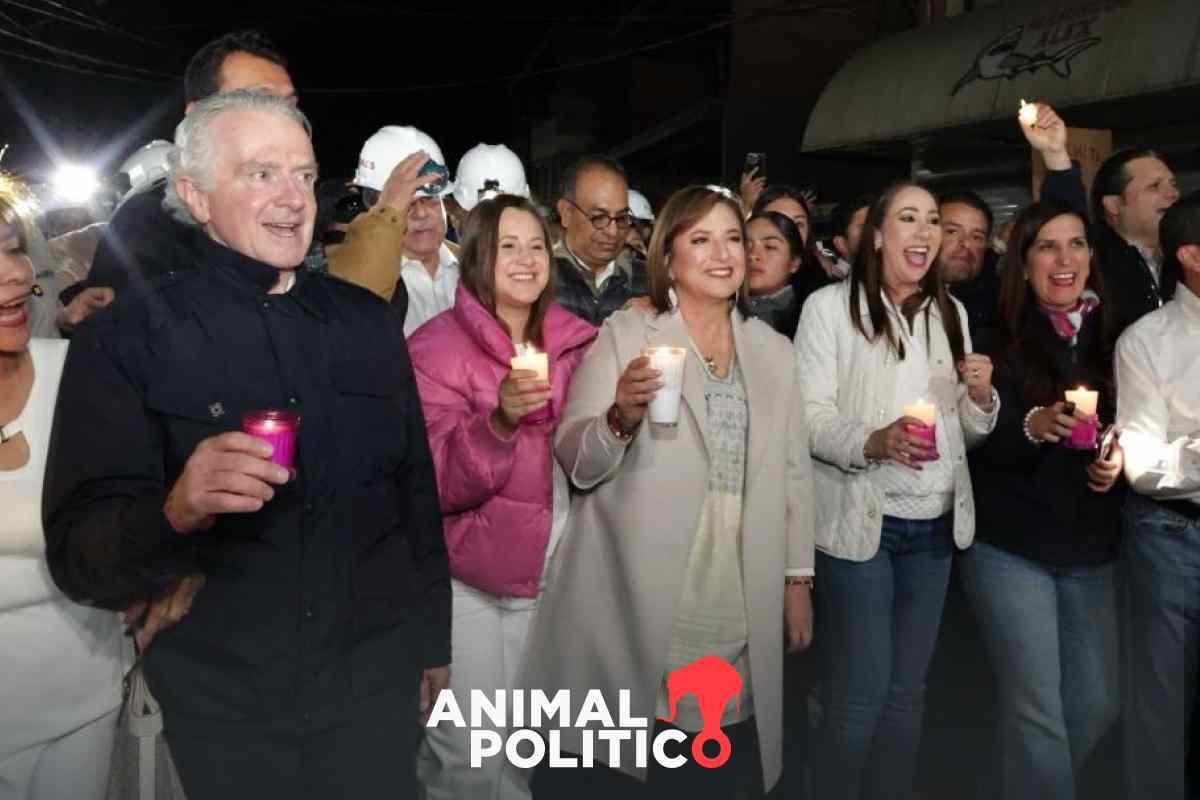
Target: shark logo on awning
[{"x": 1001, "y": 58}]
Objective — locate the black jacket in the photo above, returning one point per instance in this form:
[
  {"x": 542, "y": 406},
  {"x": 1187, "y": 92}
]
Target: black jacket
[
  {"x": 1032, "y": 499},
  {"x": 339, "y": 588},
  {"x": 574, "y": 292},
  {"x": 141, "y": 242},
  {"x": 1128, "y": 281},
  {"x": 981, "y": 299},
  {"x": 780, "y": 310}
]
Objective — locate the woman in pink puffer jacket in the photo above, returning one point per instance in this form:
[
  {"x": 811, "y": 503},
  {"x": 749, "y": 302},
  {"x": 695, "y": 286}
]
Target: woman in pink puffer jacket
[{"x": 503, "y": 496}]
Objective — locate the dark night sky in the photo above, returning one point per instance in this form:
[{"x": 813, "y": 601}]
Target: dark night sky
[{"x": 465, "y": 52}]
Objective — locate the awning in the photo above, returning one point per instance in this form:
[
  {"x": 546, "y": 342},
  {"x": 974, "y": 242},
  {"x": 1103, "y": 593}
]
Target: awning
[{"x": 975, "y": 67}]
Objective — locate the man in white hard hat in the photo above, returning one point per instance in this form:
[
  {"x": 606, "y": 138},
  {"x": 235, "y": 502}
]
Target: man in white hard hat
[
  {"x": 147, "y": 167},
  {"x": 643, "y": 222},
  {"x": 427, "y": 263},
  {"x": 484, "y": 171}
]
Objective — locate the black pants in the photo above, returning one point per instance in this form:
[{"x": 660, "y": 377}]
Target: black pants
[
  {"x": 740, "y": 776},
  {"x": 370, "y": 754}
]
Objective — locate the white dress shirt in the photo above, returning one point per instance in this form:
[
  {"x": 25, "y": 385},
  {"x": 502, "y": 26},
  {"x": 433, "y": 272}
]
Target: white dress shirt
[
  {"x": 428, "y": 296},
  {"x": 1158, "y": 399}
]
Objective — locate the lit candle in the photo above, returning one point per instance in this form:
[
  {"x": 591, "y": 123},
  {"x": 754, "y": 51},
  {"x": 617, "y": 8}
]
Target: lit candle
[
  {"x": 927, "y": 430},
  {"x": 1027, "y": 113},
  {"x": 926, "y": 412},
  {"x": 1083, "y": 435},
  {"x": 277, "y": 428},
  {"x": 529, "y": 358}
]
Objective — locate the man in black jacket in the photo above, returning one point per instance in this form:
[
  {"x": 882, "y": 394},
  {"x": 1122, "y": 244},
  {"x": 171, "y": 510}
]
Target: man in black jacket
[
  {"x": 143, "y": 241},
  {"x": 1131, "y": 191},
  {"x": 594, "y": 275},
  {"x": 323, "y": 620},
  {"x": 965, "y": 264}
]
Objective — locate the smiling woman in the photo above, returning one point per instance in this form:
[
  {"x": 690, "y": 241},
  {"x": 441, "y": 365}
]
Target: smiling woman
[
  {"x": 889, "y": 340},
  {"x": 1049, "y": 515},
  {"x": 491, "y": 421},
  {"x": 61, "y": 661}
]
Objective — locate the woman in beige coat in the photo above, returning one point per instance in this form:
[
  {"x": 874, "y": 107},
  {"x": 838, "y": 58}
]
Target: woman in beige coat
[{"x": 685, "y": 541}]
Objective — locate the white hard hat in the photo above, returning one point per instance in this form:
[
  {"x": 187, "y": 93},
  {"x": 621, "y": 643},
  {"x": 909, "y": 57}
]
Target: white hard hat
[
  {"x": 639, "y": 206},
  {"x": 147, "y": 165},
  {"x": 390, "y": 145},
  {"x": 487, "y": 170}
]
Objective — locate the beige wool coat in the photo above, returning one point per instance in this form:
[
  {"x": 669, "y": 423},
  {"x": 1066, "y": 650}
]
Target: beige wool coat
[{"x": 605, "y": 620}]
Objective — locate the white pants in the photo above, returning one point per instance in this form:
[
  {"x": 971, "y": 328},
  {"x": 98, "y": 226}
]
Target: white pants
[
  {"x": 488, "y": 638},
  {"x": 71, "y": 767}
]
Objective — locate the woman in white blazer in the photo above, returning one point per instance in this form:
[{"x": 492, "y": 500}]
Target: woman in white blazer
[
  {"x": 685, "y": 541},
  {"x": 892, "y": 509}
]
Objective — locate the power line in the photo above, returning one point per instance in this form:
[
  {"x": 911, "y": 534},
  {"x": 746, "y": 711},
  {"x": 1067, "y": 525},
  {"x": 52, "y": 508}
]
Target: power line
[
  {"x": 81, "y": 70},
  {"x": 98, "y": 25},
  {"x": 62, "y": 51}
]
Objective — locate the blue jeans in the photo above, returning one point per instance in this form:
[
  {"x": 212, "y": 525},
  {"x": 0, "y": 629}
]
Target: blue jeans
[
  {"x": 878, "y": 620},
  {"x": 1161, "y": 559},
  {"x": 1051, "y": 635}
]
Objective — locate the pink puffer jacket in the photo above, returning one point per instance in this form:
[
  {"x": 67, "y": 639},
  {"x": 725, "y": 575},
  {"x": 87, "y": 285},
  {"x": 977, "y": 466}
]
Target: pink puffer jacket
[{"x": 496, "y": 495}]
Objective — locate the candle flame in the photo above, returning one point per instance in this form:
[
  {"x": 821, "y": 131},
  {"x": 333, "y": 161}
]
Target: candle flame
[{"x": 1027, "y": 112}]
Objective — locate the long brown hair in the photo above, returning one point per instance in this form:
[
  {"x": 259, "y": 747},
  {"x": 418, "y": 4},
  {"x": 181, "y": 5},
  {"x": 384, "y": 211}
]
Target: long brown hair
[
  {"x": 1020, "y": 337},
  {"x": 477, "y": 262},
  {"x": 686, "y": 208},
  {"x": 866, "y": 282}
]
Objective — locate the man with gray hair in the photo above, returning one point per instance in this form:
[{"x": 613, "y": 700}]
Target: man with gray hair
[{"x": 309, "y": 594}]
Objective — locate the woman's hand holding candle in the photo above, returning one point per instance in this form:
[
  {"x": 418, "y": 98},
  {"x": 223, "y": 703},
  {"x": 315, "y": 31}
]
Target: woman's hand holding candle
[
  {"x": 1102, "y": 475},
  {"x": 896, "y": 443},
  {"x": 976, "y": 370},
  {"x": 227, "y": 474},
  {"x": 1050, "y": 424},
  {"x": 635, "y": 389},
  {"x": 521, "y": 393}
]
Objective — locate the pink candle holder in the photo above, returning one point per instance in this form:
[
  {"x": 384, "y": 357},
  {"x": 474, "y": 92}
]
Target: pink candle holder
[
  {"x": 1083, "y": 435},
  {"x": 928, "y": 434},
  {"x": 541, "y": 416},
  {"x": 277, "y": 428}
]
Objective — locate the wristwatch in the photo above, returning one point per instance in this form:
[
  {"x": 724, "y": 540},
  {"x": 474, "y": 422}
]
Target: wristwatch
[{"x": 618, "y": 430}]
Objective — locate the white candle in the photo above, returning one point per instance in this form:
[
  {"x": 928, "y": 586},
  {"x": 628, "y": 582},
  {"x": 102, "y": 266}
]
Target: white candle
[
  {"x": 1027, "y": 113},
  {"x": 529, "y": 358},
  {"x": 1084, "y": 400},
  {"x": 926, "y": 412}
]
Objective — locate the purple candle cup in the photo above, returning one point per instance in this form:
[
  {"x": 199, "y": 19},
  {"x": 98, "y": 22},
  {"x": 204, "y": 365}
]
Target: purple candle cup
[
  {"x": 927, "y": 433},
  {"x": 277, "y": 428},
  {"x": 1083, "y": 435}
]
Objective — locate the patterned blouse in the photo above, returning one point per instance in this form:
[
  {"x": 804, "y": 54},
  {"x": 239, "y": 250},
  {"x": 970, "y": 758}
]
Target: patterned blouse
[{"x": 711, "y": 616}]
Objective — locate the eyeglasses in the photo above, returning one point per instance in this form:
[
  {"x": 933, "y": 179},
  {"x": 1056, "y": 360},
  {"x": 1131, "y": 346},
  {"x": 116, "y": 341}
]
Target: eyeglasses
[{"x": 600, "y": 220}]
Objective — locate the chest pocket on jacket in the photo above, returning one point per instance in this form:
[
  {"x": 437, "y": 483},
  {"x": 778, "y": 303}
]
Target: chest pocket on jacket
[
  {"x": 189, "y": 415},
  {"x": 372, "y": 415}
]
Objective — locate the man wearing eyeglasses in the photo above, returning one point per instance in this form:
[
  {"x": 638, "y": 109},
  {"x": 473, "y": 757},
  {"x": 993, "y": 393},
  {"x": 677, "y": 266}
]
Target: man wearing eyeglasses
[{"x": 594, "y": 274}]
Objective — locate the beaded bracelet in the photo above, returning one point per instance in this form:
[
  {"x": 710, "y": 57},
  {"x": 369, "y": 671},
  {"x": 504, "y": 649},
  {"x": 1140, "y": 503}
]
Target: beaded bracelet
[{"x": 1029, "y": 434}]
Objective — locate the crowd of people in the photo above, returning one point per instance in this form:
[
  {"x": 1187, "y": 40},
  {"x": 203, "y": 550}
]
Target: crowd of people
[{"x": 581, "y": 448}]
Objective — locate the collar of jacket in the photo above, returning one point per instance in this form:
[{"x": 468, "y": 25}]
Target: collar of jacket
[
  {"x": 253, "y": 278},
  {"x": 624, "y": 260},
  {"x": 561, "y": 330}
]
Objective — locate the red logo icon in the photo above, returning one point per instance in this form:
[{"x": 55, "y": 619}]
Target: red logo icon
[{"x": 713, "y": 680}]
